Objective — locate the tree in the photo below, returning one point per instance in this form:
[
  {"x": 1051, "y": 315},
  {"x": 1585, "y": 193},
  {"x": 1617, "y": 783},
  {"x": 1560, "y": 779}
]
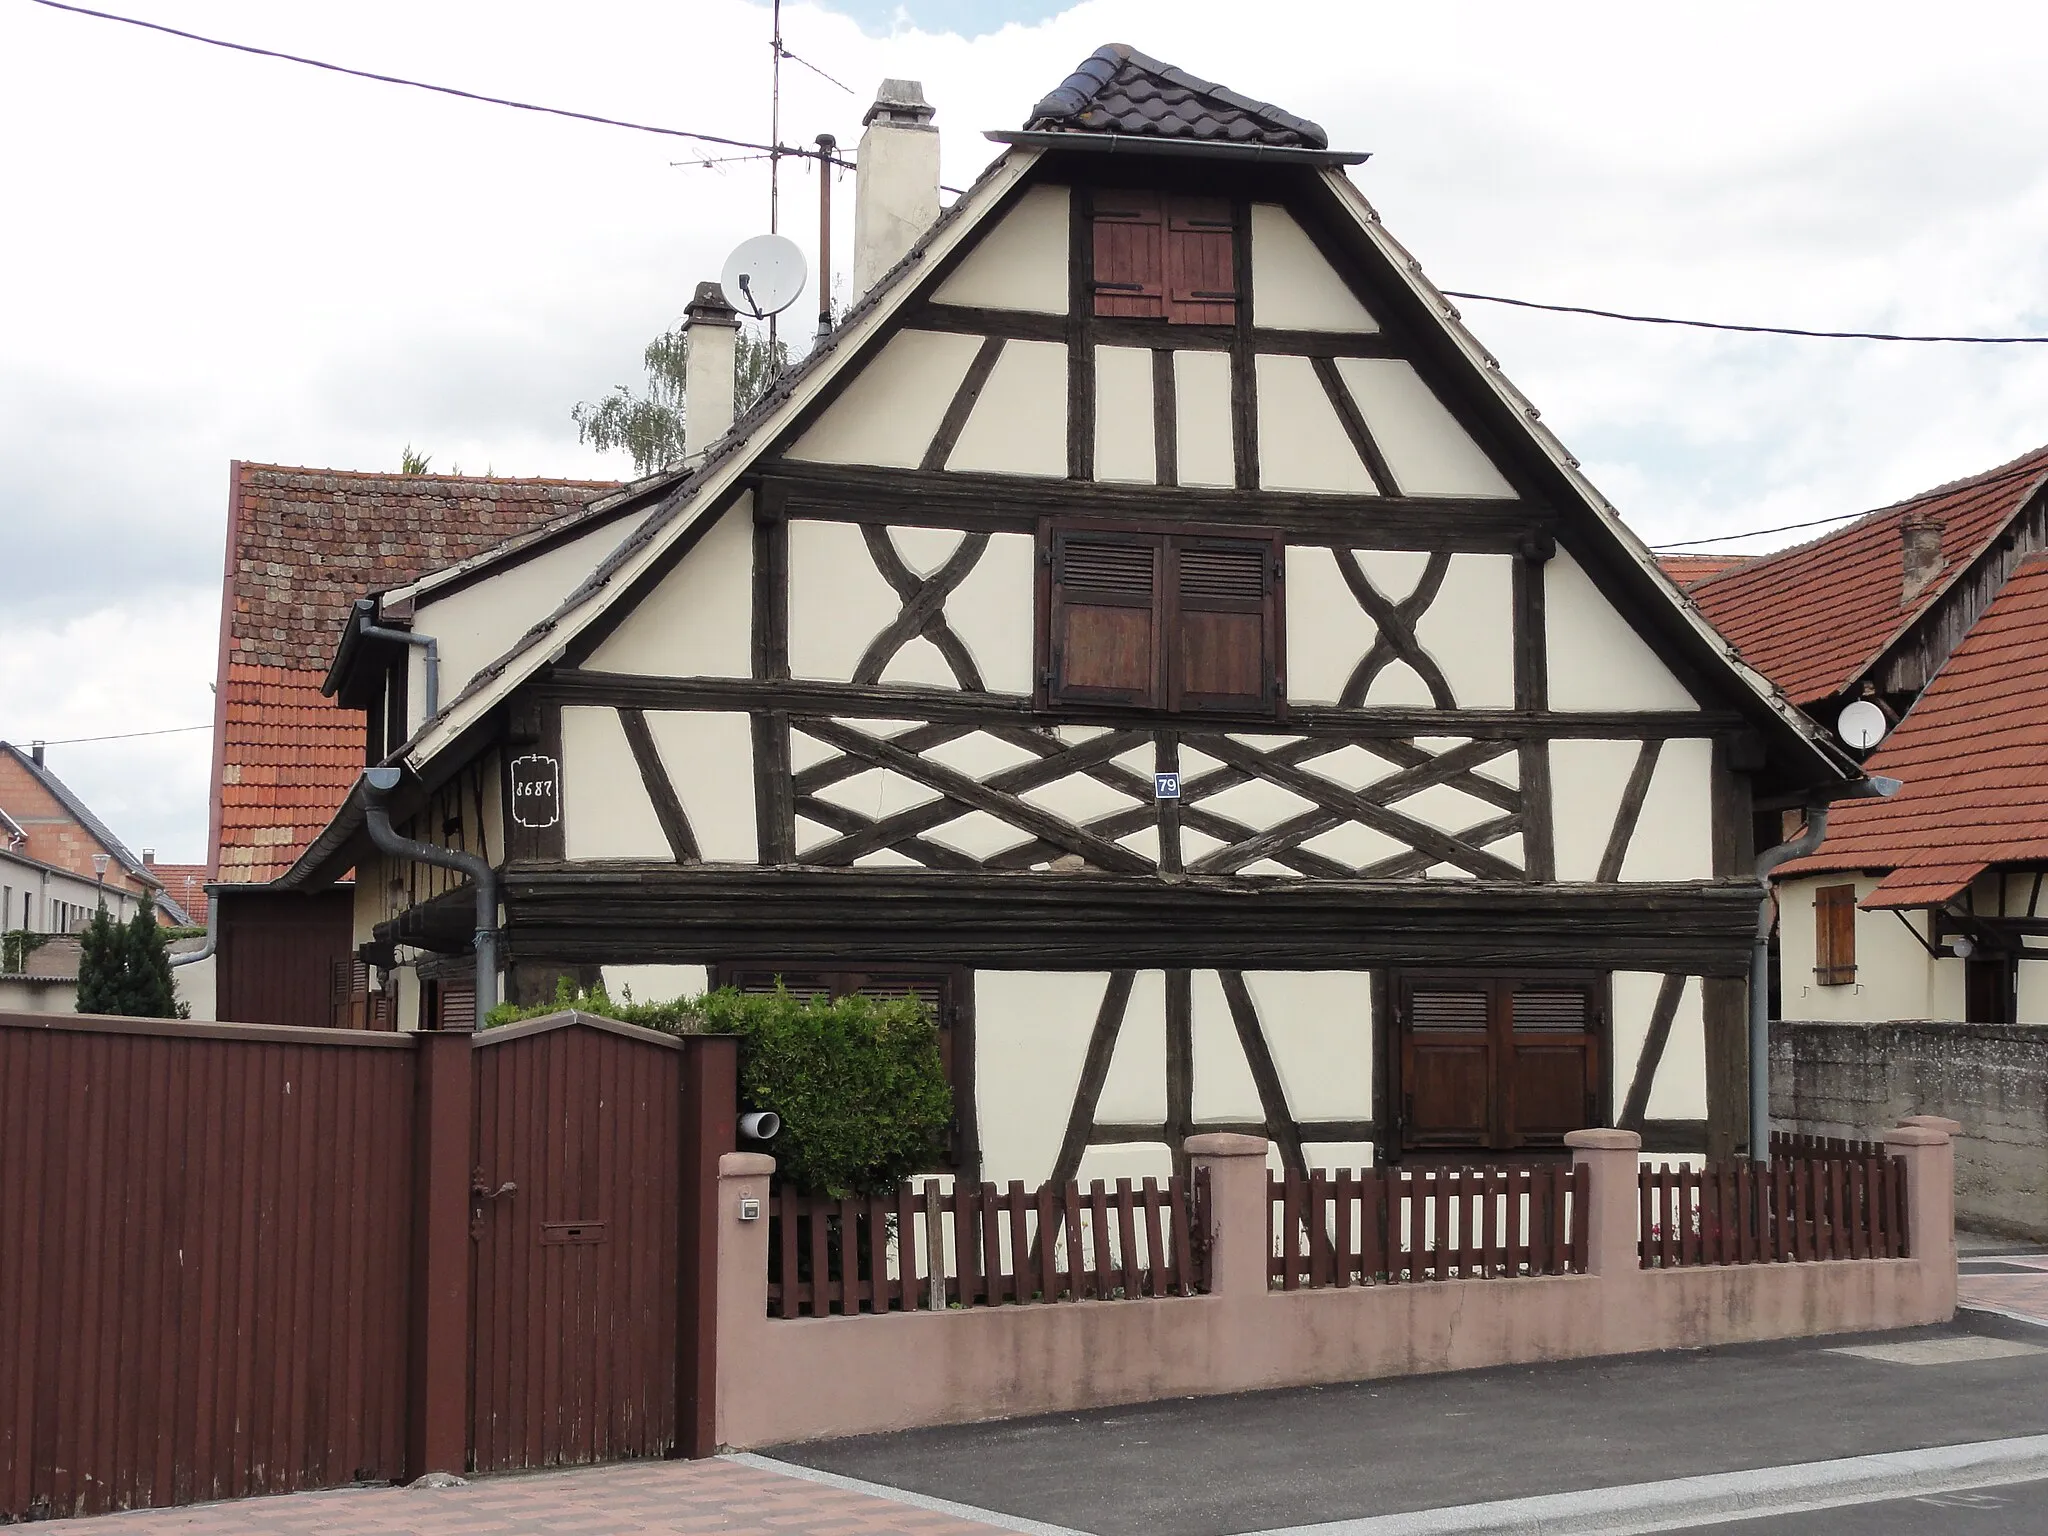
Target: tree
[
  {"x": 125, "y": 968},
  {"x": 650, "y": 426}
]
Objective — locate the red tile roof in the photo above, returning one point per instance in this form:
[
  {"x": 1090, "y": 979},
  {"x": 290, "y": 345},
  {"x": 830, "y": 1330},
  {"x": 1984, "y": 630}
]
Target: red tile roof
[
  {"x": 303, "y": 544},
  {"x": 1973, "y": 755},
  {"x": 1687, "y": 569},
  {"x": 1814, "y": 618},
  {"x": 186, "y": 885}
]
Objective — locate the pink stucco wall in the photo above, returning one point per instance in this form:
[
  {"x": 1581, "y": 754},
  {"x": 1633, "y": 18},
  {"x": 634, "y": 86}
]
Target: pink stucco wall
[{"x": 784, "y": 1380}]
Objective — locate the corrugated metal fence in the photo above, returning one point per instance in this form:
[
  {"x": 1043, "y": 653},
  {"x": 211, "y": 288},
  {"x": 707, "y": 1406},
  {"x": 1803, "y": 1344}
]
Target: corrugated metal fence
[{"x": 226, "y": 1263}]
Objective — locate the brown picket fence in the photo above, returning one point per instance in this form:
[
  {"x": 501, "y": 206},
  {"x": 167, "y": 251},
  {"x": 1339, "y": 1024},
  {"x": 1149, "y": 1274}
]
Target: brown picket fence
[
  {"x": 1786, "y": 1144},
  {"x": 1381, "y": 1226},
  {"x": 984, "y": 1246},
  {"x": 1797, "y": 1207}
]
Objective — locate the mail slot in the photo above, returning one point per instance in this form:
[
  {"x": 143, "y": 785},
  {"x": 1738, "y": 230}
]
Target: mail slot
[{"x": 572, "y": 1231}]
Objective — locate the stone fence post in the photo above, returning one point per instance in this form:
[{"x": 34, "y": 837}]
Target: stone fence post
[
  {"x": 1923, "y": 1141},
  {"x": 742, "y": 1279},
  {"x": 1238, "y": 1242},
  {"x": 1609, "y": 1161}
]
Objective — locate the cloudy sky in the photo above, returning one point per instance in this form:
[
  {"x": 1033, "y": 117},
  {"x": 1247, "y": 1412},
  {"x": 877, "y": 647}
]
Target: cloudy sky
[{"x": 210, "y": 256}]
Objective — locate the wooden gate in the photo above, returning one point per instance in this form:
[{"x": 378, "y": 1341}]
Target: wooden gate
[{"x": 575, "y": 1218}]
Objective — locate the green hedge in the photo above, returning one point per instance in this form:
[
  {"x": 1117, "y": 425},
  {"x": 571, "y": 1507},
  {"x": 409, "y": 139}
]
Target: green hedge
[{"x": 857, "y": 1080}]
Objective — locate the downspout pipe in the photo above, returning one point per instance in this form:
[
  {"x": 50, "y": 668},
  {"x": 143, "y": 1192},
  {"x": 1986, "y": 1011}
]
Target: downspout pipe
[
  {"x": 198, "y": 955},
  {"x": 1799, "y": 847},
  {"x": 1875, "y": 786},
  {"x": 371, "y": 630},
  {"x": 379, "y": 782}
]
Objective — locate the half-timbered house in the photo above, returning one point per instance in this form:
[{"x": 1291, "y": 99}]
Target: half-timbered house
[{"x": 1150, "y": 626}]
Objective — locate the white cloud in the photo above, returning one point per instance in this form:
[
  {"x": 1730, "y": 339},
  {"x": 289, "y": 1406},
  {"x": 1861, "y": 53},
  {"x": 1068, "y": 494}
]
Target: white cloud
[{"x": 214, "y": 257}]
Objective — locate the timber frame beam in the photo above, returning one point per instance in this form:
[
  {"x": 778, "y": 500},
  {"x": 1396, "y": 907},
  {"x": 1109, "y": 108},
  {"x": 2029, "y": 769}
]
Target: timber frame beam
[
  {"x": 1015, "y": 504},
  {"x": 628, "y": 911}
]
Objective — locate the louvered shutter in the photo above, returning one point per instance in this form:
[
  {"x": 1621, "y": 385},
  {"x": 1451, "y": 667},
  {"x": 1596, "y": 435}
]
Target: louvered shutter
[
  {"x": 1224, "y": 629},
  {"x": 1106, "y": 619},
  {"x": 1129, "y": 239},
  {"x": 1446, "y": 1065},
  {"x": 1552, "y": 1057},
  {"x": 455, "y": 1003},
  {"x": 1834, "y": 922},
  {"x": 1201, "y": 282}
]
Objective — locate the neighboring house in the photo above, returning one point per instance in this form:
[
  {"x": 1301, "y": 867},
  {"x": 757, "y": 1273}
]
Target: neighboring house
[
  {"x": 1925, "y": 609},
  {"x": 183, "y": 883},
  {"x": 302, "y": 546},
  {"x": 58, "y": 860},
  {"x": 1690, "y": 570},
  {"x": 1150, "y": 626}
]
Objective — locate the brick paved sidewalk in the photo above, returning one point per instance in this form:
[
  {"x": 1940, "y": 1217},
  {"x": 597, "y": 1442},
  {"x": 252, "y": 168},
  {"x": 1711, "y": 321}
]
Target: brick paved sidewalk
[
  {"x": 665, "y": 1498},
  {"x": 2026, "y": 1295}
]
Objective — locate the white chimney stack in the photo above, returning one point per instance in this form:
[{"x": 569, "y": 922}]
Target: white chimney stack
[
  {"x": 896, "y": 185},
  {"x": 710, "y": 369}
]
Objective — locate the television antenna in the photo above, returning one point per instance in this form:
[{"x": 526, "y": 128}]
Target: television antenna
[
  {"x": 1862, "y": 725},
  {"x": 764, "y": 276}
]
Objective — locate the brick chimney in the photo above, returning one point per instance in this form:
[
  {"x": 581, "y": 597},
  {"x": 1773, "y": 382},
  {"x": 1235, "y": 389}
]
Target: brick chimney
[
  {"x": 896, "y": 186},
  {"x": 1920, "y": 554},
  {"x": 709, "y": 368}
]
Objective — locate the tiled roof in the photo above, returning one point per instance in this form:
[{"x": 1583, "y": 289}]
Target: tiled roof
[
  {"x": 1973, "y": 756},
  {"x": 77, "y": 809},
  {"x": 303, "y": 545},
  {"x": 1119, "y": 90},
  {"x": 1814, "y": 618},
  {"x": 1687, "y": 569},
  {"x": 185, "y": 886}
]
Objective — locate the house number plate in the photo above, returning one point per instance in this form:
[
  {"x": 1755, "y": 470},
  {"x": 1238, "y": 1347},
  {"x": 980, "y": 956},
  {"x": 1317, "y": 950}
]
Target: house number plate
[
  {"x": 536, "y": 790},
  {"x": 1165, "y": 786}
]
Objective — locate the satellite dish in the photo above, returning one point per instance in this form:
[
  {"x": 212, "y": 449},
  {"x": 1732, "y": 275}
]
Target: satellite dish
[
  {"x": 764, "y": 276},
  {"x": 1862, "y": 725}
]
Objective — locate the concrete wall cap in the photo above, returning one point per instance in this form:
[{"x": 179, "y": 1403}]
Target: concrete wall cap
[
  {"x": 1915, "y": 1136},
  {"x": 745, "y": 1165},
  {"x": 1602, "y": 1139},
  {"x": 1935, "y": 1123},
  {"x": 1225, "y": 1144}
]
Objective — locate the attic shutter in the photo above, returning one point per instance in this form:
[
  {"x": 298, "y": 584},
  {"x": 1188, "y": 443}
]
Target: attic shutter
[
  {"x": 1106, "y": 618},
  {"x": 1446, "y": 1065},
  {"x": 1129, "y": 231},
  {"x": 1834, "y": 936},
  {"x": 1201, "y": 281},
  {"x": 1551, "y": 1072},
  {"x": 1225, "y": 624},
  {"x": 455, "y": 1003}
]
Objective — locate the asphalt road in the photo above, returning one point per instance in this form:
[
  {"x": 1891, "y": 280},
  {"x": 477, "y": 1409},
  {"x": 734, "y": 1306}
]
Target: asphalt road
[
  {"x": 1218, "y": 1466},
  {"x": 2017, "y": 1510}
]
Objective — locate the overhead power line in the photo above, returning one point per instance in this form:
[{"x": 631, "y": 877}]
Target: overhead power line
[
  {"x": 418, "y": 85},
  {"x": 774, "y": 151},
  {"x": 1754, "y": 330},
  {"x": 1753, "y": 533},
  {"x": 173, "y": 730}
]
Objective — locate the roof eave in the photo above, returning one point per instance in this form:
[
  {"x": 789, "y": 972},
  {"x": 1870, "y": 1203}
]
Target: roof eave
[{"x": 1148, "y": 144}]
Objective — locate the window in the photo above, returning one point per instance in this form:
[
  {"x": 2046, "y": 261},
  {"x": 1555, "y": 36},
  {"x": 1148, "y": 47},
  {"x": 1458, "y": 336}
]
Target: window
[
  {"x": 1165, "y": 257},
  {"x": 1188, "y": 622},
  {"x": 1834, "y": 935},
  {"x": 941, "y": 990},
  {"x": 1989, "y": 988},
  {"x": 1488, "y": 1063}
]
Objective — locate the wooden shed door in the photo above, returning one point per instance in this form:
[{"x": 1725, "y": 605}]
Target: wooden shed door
[{"x": 574, "y": 1357}]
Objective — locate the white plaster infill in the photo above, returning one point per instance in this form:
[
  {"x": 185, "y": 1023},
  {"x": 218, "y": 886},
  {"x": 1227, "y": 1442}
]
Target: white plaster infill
[{"x": 1677, "y": 1503}]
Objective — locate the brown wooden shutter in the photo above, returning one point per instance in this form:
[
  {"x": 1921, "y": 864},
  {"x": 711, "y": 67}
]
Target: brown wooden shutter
[
  {"x": 1446, "y": 1065},
  {"x": 1201, "y": 281},
  {"x": 1553, "y": 1055},
  {"x": 1130, "y": 258},
  {"x": 1107, "y": 591},
  {"x": 1834, "y": 935},
  {"x": 1224, "y": 631},
  {"x": 455, "y": 1003}
]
